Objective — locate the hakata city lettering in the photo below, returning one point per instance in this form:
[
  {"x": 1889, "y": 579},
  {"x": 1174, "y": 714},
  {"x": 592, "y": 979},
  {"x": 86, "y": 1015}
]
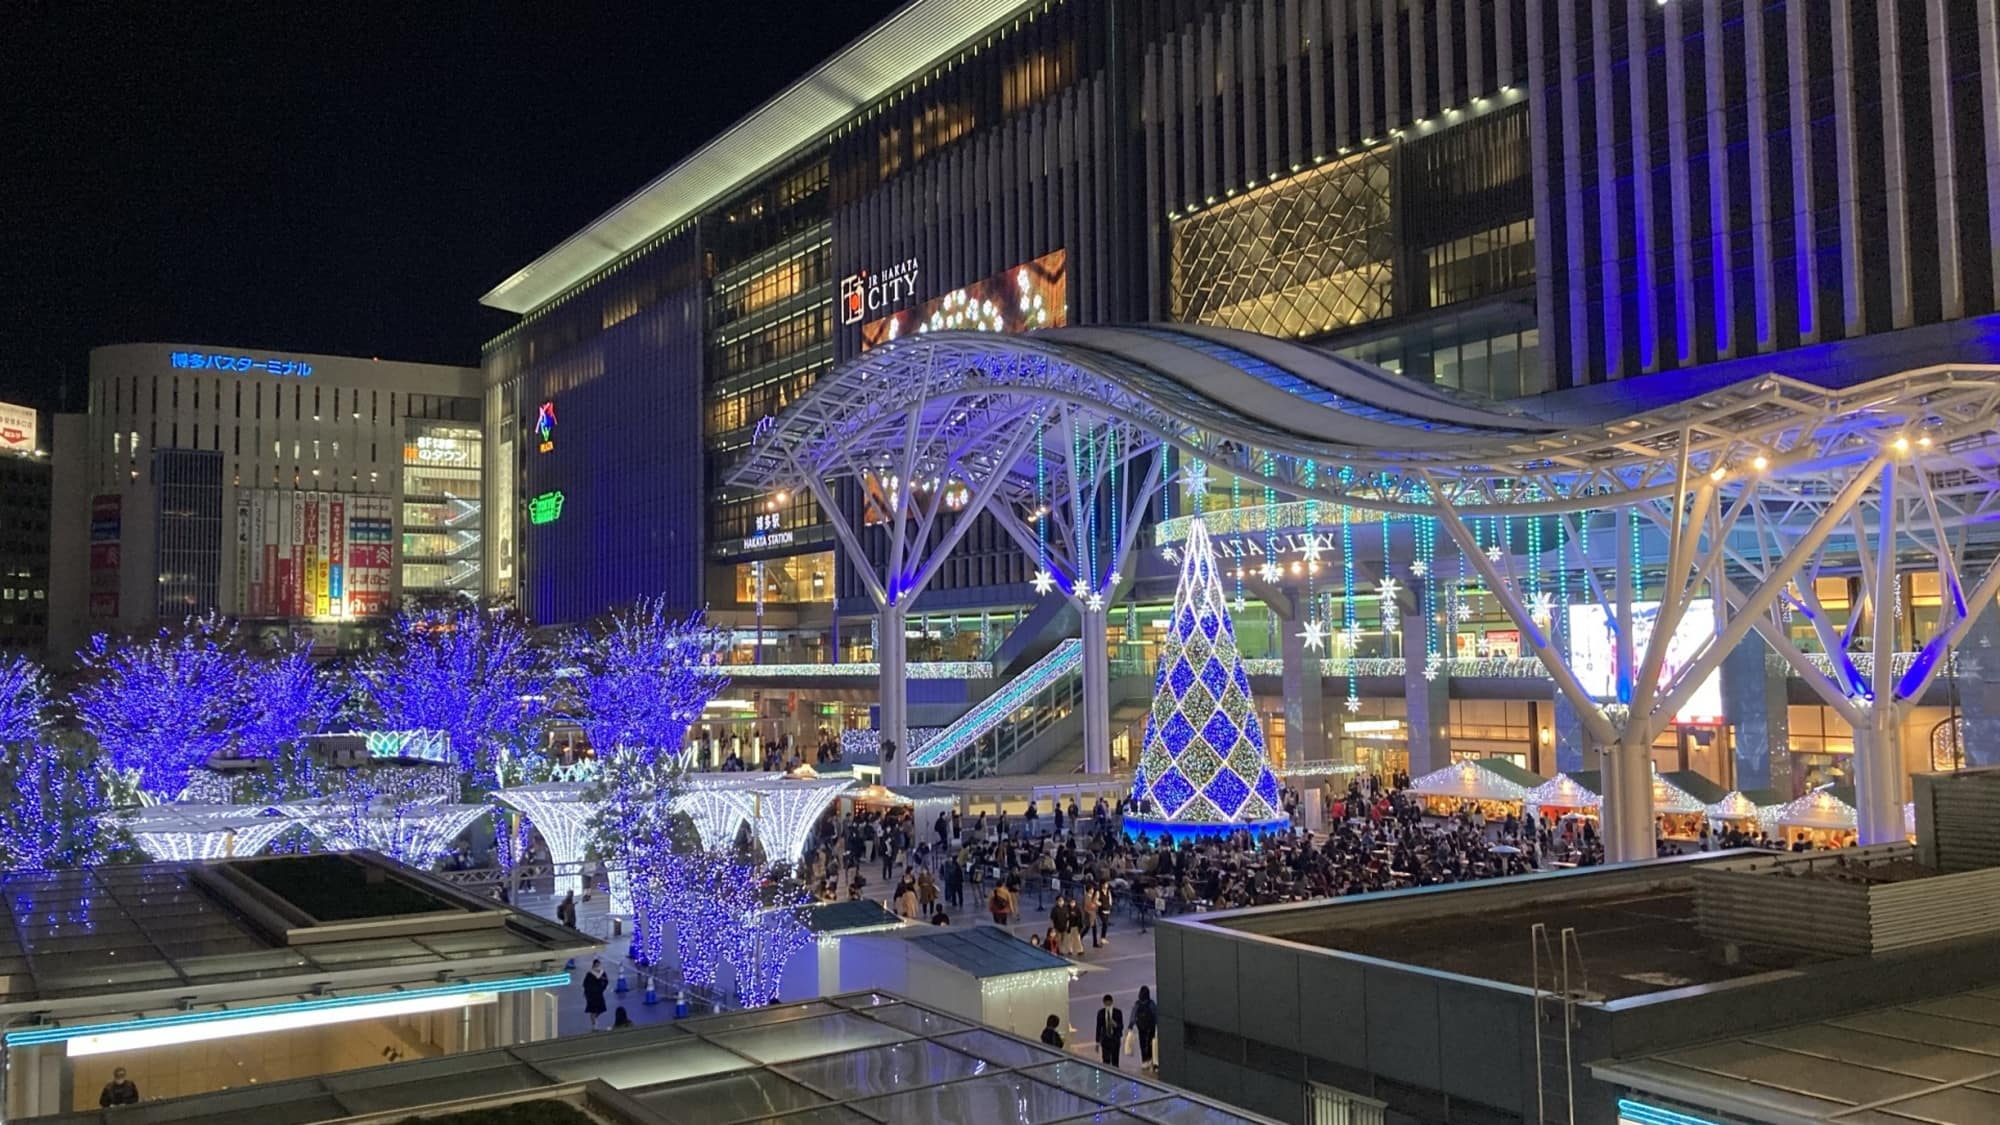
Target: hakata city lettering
[{"x": 864, "y": 292}]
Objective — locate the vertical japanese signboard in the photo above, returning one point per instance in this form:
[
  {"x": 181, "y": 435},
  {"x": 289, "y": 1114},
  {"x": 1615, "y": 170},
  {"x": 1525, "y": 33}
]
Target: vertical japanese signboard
[{"x": 106, "y": 529}]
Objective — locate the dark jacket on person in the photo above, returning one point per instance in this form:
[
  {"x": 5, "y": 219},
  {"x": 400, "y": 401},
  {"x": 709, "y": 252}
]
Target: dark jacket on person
[
  {"x": 1110, "y": 1027},
  {"x": 1144, "y": 1016},
  {"x": 1052, "y": 1037},
  {"x": 119, "y": 1093}
]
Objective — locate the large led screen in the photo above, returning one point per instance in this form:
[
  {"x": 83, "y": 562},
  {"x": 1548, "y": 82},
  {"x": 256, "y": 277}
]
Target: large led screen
[
  {"x": 1031, "y": 295},
  {"x": 1593, "y": 650}
]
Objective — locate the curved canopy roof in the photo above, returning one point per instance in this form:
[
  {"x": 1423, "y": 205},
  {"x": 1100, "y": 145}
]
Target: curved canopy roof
[{"x": 1310, "y": 423}]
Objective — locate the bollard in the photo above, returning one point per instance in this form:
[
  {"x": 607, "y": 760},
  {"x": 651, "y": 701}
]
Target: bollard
[
  {"x": 652, "y": 994},
  {"x": 681, "y": 1005},
  {"x": 622, "y": 988},
  {"x": 570, "y": 966}
]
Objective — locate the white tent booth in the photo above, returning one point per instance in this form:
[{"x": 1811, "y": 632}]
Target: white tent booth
[
  {"x": 1497, "y": 786},
  {"x": 982, "y": 973},
  {"x": 815, "y": 970}
]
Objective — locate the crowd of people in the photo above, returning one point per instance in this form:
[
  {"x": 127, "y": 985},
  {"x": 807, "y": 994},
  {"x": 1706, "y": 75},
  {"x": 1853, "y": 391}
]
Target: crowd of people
[{"x": 1080, "y": 867}]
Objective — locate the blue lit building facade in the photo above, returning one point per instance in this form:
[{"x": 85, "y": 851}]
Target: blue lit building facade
[{"x": 1574, "y": 206}]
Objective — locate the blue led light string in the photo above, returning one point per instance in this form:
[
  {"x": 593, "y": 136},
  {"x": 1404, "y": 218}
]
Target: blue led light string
[
  {"x": 1117, "y": 502},
  {"x": 1311, "y": 475},
  {"x": 1041, "y": 495},
  {"x": 1427, "y": 527},
  {"x": 1236, "y": 505}
]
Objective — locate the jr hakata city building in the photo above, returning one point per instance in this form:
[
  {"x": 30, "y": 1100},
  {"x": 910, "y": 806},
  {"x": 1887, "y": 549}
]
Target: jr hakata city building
[{"x": 1562, "y": 213}]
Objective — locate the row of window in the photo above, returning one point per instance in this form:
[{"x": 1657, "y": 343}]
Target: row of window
[{"x": 121, "y": 395}]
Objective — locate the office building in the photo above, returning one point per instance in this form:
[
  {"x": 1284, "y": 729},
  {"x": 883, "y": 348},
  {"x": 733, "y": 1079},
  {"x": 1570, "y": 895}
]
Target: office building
[
  {"x": 1577, "y": 210},
  {"x": 271, "y": 486},
  {"x": 24, "y": 531}
]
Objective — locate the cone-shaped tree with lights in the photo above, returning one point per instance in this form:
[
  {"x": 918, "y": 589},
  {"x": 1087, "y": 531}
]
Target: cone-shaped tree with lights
[{"x": 1203, "y": 769}]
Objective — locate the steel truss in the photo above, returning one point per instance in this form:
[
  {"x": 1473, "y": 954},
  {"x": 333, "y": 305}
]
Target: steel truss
[{"x": 1752, "y": 487}]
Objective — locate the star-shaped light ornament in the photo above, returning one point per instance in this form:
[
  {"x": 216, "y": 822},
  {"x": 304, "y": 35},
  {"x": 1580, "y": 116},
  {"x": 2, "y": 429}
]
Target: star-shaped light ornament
[
  {"x": 1493, "y": 553},
  {"x": 1388, "y": 588},
  {"x": 1194, "y": 478},
  {"x": 1170, "y": 553},
  {"x": 1111, "y": 581},
  {"x": 1314, "y": 635},
  {"x": 1433, "y": 664},
  {"x": 1352, "y": 631},
  {"x": 1462, "y": 610},
  {"x": 1238, "y": 607},
  {"x": 1044, "y": 581},
  {"x": 1418, "y": 567},
  {"x": 1541, "y": 607},
  {"x": 1353, "y": 705},
  {"x": 1312, "y": 550},
  {"x": 1094, "y": 602},
  {"x": 1271, "y": 572}
]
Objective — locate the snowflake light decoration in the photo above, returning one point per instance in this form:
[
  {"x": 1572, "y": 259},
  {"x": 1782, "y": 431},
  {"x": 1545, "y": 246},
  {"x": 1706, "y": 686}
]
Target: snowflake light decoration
[{"x": 1044, "y": 581}]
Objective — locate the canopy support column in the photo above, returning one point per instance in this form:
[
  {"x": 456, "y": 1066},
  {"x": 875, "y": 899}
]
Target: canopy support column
[
  {"x": 892, "y": 646},
  {"x": 1096, "y": 691}
]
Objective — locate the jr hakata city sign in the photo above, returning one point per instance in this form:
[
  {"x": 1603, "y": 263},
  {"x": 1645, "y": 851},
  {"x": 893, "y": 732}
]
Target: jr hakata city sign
[{"x": 864, "y": 293}]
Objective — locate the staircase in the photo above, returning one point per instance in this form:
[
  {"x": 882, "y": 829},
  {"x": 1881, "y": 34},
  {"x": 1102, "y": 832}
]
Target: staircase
[{"x": 1038, "y": 709}]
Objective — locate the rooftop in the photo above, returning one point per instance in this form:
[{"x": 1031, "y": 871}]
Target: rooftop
[
  {"x": 848, "y": 1060},
  {"x": 76, "y": 940},
  {"x": 916, "y": 37},
  {"x": 1635, "y": 926},
  {"x": 987, "y": 951},
  {"x": 1935, "y": 1061}
]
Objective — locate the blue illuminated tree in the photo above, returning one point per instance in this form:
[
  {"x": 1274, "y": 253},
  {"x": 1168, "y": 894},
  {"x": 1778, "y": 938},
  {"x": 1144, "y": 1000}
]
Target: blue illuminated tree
[
  {"x": 642, "y": 676},
  {"x": 1202, "y": 767},
  {"x": 24, "y": 700},
  {"x": 474, "y": 674},
  {"x": 163, "y": 706},
  {"x": 56, "y": 815},
  {"x": 291, "y": 698}
]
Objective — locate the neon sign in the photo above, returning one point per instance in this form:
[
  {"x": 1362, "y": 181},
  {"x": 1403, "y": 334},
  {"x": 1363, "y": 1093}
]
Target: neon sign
[
  {"x": 409, "y": 745},
  {"x": 863, "y": 293},
  {"x": 546, "y": 508},
  {"x": 207, "y": 361},
  {"x": 545, "y": 425}
]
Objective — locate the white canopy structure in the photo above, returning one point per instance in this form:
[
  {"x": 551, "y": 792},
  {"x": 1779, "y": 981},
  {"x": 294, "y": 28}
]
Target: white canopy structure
[
  {"x": 175, "y": 831},
  {"x": 782, "y": 811},
  {"x": 1719, "y": 508},
  {"x": 1825, "y": 809},
  {"x": 561, "y": 814},
  {"x": 416, "y": 832},
  {"x": 1738, "y": 806}
]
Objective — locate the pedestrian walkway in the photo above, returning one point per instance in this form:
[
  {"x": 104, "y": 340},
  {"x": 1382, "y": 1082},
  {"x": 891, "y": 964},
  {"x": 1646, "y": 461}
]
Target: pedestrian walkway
[{"x": 1118, "y": 968}]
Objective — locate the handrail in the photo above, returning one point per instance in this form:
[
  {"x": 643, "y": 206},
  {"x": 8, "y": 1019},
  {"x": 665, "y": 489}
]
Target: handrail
[{"x": 991, "y": 712}]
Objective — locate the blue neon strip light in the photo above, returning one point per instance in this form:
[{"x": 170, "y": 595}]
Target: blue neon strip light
[
  {"x": 1066, "y": 658},
  {"x": 1640, "y": 1113},
  {"x": 35, "y": 1036}
]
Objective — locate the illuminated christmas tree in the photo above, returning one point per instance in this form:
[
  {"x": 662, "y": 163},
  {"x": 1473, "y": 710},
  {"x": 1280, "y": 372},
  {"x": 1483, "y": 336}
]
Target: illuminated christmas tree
[{"x": 1203, "y": 769}]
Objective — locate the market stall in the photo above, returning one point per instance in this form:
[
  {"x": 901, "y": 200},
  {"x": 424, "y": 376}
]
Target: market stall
[
  {"x": 925, "y": 802},
  {"x": 982, "y": 973},
  {"x": 1747, "y": 810},
  {"x": 1823, "y": 818},
  {"x": 815, "y": 969},
  {"x": 1495, "y": 786},
  {"x": 1680, "y": 803},
  {"x": 1566, "y": 795}
]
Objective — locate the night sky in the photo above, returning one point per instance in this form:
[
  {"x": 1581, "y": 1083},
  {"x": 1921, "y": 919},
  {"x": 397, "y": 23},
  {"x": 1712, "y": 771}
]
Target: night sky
[{"x": 344, "y": 177}]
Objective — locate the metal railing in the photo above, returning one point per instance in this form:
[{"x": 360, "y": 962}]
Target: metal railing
[{"x": 1024, "y": 709}]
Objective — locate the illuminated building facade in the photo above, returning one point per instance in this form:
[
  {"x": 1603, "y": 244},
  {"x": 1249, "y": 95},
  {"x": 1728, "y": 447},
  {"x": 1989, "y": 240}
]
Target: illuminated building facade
[
  {"x": 1519, "y": 199},
  {"x": 271, "y": 486}
]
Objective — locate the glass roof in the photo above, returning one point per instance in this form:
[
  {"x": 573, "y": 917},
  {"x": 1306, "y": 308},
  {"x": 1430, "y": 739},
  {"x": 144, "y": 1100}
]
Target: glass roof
[
  {"x": 863, "y": 1059},
  {"x": 114, "y": 930}
]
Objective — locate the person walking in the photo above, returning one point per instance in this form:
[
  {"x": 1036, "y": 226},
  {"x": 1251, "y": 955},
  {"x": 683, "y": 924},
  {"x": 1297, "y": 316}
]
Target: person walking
[
  {"x": 1090, "y": 904},
  {"x": 1051, "y": 1034},
  {"x": 1110, "y": 1032},
  {"x": 954, "y": 884},
  {"x": 594, "y": 984},
  {"x": 1146, "y": 1022},
  {"x": 926, "y": 891},
  {"x": 566, "y": 910},
  {"x": 1104, "y": 914},
  {"x": 1000, "y": 905}
]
